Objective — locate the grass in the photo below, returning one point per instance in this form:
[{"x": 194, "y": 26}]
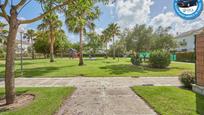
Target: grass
[
  {"x": 172, "y": 100},
  {"x": 47, "y": 100},
  {"x": 94, "y": 68}
]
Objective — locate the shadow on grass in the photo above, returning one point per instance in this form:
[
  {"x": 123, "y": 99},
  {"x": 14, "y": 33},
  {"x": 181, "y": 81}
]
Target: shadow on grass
[
  {"x": 200, "y": 104},
  {"x": 39, "y": 71},
  {"x": 126, "y": 68}
]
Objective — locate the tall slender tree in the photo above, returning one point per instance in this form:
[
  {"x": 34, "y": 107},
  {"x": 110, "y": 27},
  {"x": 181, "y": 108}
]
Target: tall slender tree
[
  {"x": 106, "y": 38},
  {"x": 80, "y": 15},
  {"x": 30, "y": 37},
  {"x": 13, "y": 20},
  {"x": 114, "y": 30},
  {"x": 52, "y": 25}
]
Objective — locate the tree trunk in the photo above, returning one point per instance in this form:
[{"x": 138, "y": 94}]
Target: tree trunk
[
  {"x": 61, "y": 52},
  {"x": 51, "y": 46},
  {"x": 107, "y": 50},
  {"x": 10, "y": 56},
  {"x": 114, "y": 47},
  {"x": 33, "y": 52},
  {"x": 52, "y": 52},
  {"x": 81, "y": 61}
]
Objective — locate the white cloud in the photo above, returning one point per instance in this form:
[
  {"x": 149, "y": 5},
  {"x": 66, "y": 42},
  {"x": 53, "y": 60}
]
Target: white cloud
[
  {"x": 164, "y": 9},
  {"x": 178, "y": 24},
  {"x": 131, "y": 12},
  {"x": 99, "y": 30}
]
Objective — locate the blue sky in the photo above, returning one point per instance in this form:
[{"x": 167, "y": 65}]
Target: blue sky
[{"x": 128, "y": 13}]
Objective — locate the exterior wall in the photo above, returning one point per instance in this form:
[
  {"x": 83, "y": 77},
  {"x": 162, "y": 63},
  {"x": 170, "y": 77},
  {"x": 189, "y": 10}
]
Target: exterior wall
[
  {"x": 199, "y": 86},
  {"x": 190, "y": 40},
  {"x": 200, "y": 59}
]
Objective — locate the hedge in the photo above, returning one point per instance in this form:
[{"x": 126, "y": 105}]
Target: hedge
[{"x": 185, "y": 56}]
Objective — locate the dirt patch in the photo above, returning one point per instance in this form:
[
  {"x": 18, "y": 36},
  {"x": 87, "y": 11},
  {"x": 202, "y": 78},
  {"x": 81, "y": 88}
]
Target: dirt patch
[{"x": 21, "y": 101}]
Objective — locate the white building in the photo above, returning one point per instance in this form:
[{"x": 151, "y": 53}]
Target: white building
[
  {"x": 186, "y": 40},
  {"x": 25, "y": 45}
]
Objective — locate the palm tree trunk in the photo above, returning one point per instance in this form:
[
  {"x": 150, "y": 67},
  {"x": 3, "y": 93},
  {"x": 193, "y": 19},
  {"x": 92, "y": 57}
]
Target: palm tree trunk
[
  {"x": 107, "y": 50},
  {"x": 33, "y": 53},
  {"x": 114, "y": 47},
  {"x": 10, "y": 56},
  {"x": 51, "y": 45},
  {"x": 81, "y": 61}
]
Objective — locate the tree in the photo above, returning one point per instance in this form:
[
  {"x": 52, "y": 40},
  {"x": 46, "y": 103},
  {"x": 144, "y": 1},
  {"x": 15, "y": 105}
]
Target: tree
[
  {"x": 93, "y": 41},
  {"x": 51, "y": 23},
  {"x": 75, "y": 46},
  {"x": 105, "y": 38},
  {"x": 30, "y": 37},
  {"x": 13, "y": 20},
  {"x": 42, "y": 45},
  {"x": 119, "y": 49},
  {"x": 80, "y": 15},
  {"x": 163, "y": 40},
  {"x": 62, "y": 43},
  {"x": 139, "y": 39},
  {"x": 114, "y": 30}
]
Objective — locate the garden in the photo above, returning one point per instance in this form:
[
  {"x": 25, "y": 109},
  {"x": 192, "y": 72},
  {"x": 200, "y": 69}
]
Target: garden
[
  {"x": 64, "y": 67},
  {"x": 97, "y": 65}
]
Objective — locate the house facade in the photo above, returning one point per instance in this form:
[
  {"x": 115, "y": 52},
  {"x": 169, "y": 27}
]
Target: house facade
[{"x": 186, "y": 41}]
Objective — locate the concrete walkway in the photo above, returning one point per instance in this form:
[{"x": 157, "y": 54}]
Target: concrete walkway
[
  {"x": 92, "y": 82},
  {"x": 101, "y": 96}
]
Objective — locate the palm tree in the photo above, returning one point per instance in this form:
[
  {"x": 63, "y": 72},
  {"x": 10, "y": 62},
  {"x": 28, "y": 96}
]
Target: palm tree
[
  {"x": 93, "y": 41},
  {"x": 30, "y": 37},
  {"x": 52, "y": 24},
  {"x": 80, "y": 15},
  {"x": 114, "y": 30},
  {"x": 106, "y": 37},
  {"x": 9, "y": 11}
]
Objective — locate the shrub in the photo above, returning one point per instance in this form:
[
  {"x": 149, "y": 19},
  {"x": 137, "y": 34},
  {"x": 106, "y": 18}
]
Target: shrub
[
  {"x": 187, "y": 79},
  {"x": 185, "y": 56},
  {"x": 159, "y": 59},
  {"x": 135, "y": 59}
]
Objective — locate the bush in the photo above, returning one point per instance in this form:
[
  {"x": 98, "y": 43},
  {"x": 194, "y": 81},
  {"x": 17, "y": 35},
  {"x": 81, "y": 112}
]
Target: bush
[
  {"x": 159, "y": 59},
  {"x": 187, "y": 79},
  {"x": 185, "y": 56},
  {"x": 135, "y": 59}
]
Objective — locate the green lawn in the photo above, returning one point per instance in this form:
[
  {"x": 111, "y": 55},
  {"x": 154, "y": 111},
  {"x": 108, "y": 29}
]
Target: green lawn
[
  {"x": 98, "y": 68},
  {"x": 47, "y": 100},
  {"x": 172, "y": 100}
]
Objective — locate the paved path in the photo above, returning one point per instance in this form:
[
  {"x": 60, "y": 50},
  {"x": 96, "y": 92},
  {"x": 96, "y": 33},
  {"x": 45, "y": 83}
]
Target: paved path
[
  {"x": 92, "y": 82},
  {"x": 101, "y": 96}
]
